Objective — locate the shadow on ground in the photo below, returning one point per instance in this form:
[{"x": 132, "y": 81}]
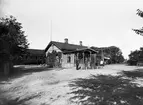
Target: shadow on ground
[
  {"x": 22, "y": 71},
  {"x": 6, "y": 101},
  {"x": 138, "y": 73},
  {"x": 106, "y": 90}
]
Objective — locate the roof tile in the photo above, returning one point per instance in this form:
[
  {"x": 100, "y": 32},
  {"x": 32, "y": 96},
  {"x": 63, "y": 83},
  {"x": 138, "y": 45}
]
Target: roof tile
[{"x": 65, "y": 46}]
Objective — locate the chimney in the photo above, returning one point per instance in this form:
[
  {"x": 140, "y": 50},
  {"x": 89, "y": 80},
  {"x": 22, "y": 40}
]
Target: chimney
[
  {"x": 80, "y": 42},
  {"x": 66, "y": 40}
]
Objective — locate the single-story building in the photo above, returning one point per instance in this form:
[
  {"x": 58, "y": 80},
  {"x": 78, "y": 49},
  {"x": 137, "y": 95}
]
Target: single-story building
[
  {"x": 64, "y": 54},
  {"x": 34, "y": 56}
]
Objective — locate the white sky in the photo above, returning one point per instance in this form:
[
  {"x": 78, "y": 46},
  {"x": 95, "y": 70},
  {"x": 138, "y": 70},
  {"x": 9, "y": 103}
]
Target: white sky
[{"x": 99, "y": 23}]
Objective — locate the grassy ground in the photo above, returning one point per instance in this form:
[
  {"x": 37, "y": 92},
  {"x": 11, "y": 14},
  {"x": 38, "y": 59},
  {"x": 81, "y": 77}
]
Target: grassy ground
[{"x": 112, "y": 85}]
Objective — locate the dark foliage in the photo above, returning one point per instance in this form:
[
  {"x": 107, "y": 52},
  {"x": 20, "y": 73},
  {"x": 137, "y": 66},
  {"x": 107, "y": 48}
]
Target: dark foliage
[
  {"x": 139, "y": 31},
  {"x": 53, "y": 59},
  {"x": 135, "y": 57},
  {"x": 112, "y": 52},
  {"x": 12, "y": 39},
  {"x": 139, "y": 12},
  {"x": 106, "y": 90},
  {"x": 116, "y": 55}
]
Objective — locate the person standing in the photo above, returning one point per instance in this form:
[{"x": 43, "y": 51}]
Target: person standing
[
  {"x": 77, "y": 64},
  {"x": 101, "y": 63}
]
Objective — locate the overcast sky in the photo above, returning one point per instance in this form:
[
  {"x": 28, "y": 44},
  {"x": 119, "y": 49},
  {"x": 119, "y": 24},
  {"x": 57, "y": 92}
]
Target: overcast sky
[{"x": 99, "y": 23}]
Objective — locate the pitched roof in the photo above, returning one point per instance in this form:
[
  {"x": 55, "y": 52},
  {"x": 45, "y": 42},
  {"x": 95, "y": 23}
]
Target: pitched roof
[
  {"x": 35, "y": 51},
  {"x": 81, "y": 50},
  {"x": 65, "y": 46}
]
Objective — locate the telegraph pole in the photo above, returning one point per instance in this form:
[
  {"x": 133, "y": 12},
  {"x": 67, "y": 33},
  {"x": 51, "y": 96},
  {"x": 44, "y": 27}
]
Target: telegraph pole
[{"x": 50, "y": 29}]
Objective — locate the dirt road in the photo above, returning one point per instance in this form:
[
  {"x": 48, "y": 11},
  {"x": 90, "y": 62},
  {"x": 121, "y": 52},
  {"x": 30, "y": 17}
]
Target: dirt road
[{"x": 50, "y": 87}]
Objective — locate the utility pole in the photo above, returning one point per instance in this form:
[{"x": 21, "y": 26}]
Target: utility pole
[{"x": 50, "y": 29}]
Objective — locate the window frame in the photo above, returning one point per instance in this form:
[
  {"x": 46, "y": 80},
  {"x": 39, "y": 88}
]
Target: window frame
[{"x": 68, "y": 59}]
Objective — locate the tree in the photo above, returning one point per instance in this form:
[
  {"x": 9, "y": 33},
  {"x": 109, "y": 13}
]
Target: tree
[
  {"x": 113, "y": 52},
  {"x": 139, "y": 31},
  {"x": 13, "y": 42},
  {"x": 115, "y": 55},
  {"x": 4, "y": 53},
  {"x": 53, "y": 59},
  {"x": 135, "y": 57}
]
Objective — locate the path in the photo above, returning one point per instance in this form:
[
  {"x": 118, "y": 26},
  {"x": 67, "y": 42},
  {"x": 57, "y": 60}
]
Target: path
[{"x": 51, "y": 87}]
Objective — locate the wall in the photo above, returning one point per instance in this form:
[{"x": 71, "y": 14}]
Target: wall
[
  {"x": 65, "y": 58},
  {"x": 32, "y": 59},
  {"x": 53, "y": 60},
  {"x": 53, "y": 47}
]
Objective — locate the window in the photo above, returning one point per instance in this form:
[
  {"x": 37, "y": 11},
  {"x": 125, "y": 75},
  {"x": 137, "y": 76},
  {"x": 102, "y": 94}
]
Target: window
[{"x": 68, "y": 59}]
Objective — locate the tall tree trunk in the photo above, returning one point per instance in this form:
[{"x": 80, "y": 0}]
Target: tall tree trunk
[{"x": 6, "y": 68}]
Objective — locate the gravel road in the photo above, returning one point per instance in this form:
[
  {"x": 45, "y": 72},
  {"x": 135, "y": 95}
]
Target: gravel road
[{"x": 50, "y": 87}]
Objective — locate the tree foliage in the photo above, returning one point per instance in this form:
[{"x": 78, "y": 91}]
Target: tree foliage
[
  {"x": 112, "y": 52},
  {"x": 139, "y": 31},
  {"x": 13, "y": 42},
  {"x": 115, "y": 54},
  {"x": 53, "y": 59},
  {"x": 135, "y": 57}
]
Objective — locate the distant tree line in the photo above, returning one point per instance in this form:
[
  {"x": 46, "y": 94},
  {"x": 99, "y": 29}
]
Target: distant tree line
[{"x": 112, "y": 52}]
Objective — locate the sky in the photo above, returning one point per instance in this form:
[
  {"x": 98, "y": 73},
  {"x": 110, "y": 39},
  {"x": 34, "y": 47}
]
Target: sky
[{"x": 99, "y": 23}]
